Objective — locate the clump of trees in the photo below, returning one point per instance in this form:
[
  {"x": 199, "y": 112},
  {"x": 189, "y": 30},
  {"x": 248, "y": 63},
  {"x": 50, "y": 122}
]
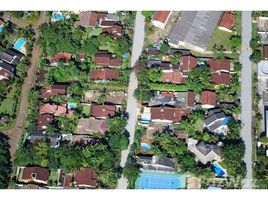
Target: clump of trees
[{"x": 5, "y": 163}]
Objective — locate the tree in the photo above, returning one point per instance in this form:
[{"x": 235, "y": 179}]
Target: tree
[
  {"x": 175, "y": 59},
  {"x": 218, "y": 50},
  {"x": 3, "y": 89},
  {"x": 17, "y": 14},
  {"x": 155, "y": 74},
  {"x": 199, "y": 79},
  {"x": 143, "y": 95},
  {"x": 256, "y": 57},
  {"x": 187, "y": 161},
  {"x": 131, "y": 172},
  {"x": 5, "y": 163},
  {"x": 234, "y": 128},
  {"x": 117, "y": 125},
  {"x": 148, "y": 14},
  {"x": 164, "y": 49}
]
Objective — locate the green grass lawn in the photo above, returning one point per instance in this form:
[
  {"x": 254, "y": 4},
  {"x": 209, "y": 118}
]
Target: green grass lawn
[
  {"x": 53, "y": 177},
  {"x": 220, "y": 37},
  {"x": 86, "y": 109},
  {"x": 8, "y": 104}
]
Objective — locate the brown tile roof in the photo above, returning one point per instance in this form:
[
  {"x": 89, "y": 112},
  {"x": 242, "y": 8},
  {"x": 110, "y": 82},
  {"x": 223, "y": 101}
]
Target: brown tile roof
[
  {"x": 44, "y": 120},
  {"x": 265, "y": 51},
  {"x": 172, "y": 77},
  {"x": 161, "y": 16},
  {"x": 208, "y": 97},
  {"x": 104, "y": 74},
  {"x": 102, "y": 111},
  {"x": 82, "y": 56},
  {"x": 68, "y": 181},
  {"x": 153, "y": 51},
  {"x": 6, "y": 73},
  {"x": 227, "y": 20},
  {"x": 64, "y": 56},
  {"x": 93, "y": 19},
  {"x": 57, "y": 110},
  {"x": 91, "y": 125},
  {"x": 190, "y": 99},
  {"x": 58, "y": 89},
  {"x": 104, "y": 58},
  {"x": 221, "y": 78},
  {"x": 86, "y": 177},
  {"x": 188, "y": 63},
  {"x": 32, "y": 174},
  {"x": 105, "y": 23},
  {"x": 167, "y": 94},
  {"x": 167, "y": 113},
  {"x": 116, "y": 31},
  {"x": 61, "y": 110},
  {"x": 219, "y": 64}
]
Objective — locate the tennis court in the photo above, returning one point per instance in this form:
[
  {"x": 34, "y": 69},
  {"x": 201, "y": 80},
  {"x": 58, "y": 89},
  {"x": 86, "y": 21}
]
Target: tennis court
[{"x": 160, "y": 180}]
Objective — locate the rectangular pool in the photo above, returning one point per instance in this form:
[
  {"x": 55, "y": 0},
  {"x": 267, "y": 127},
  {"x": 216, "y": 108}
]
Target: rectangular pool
[
  {"x": 1, "y": 28},
  {"x": 160, "y": 180},
  {"x": 19, "y": 44}
]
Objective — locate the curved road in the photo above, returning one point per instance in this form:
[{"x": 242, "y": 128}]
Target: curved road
[
  {"x": 132, "y": 107},
  {"x": 246, "y": 95},
  {"x": 15, "y": 133}
]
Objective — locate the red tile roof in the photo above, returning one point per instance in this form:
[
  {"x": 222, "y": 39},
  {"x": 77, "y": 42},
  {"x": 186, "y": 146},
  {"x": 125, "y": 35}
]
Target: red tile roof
[
  {"x": 221, "y": 78},
  {"x": 93, "y": 19},
  {"x": 227, "y": 20},
  {"x": 104, "y": 74},
  {"x": 172, "y": 77},
  {"x": 219, "y": 64},
  {"x": 265, "y": 51},
  {"x": 161, "y": 16},
  {"x": 44, "y": 120},
  {"x": 86, "y": 177},
  {"x": 116, "y": 31},
  {"x": 64, "y": 56},
  {"x": 33, "y": 174},
  {"x": 208, "y": 97},
  {"x": 57, "y": 110},
  {"x": 6, "y": 73},
  {"x": 188, "y": 63},
  {"x": 104, "y": 58},
  {"x": 167, "y": 113},
  {"x": 102, "y": 111},
  {"x": 58, "y": 89},
  {"x": 190, "y": 99}
]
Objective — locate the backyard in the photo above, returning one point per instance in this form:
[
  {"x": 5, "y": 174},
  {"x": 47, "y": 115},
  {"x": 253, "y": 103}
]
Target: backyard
[{"x": 220, "y": 37}]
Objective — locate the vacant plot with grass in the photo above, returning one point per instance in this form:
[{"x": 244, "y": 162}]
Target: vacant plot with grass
[{"x": 220, "y": 37}]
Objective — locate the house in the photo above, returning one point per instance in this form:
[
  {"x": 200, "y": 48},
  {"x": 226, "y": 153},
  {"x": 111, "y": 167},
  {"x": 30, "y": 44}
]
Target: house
[
  {"x": 79, "y": 139},
  {"x": 172, "y": 76},
  {"x": 83, "y": 178},
  {"x": 89, "y": 19},
  {"x": 36, "y": 136},
  {"x": 82, "y": 56},
  {"x": 193, "y": 29},
  {"x": 152, "y": 51},
  {"x": 204, "y": 152},
  {"x": 208, "y": 99},
  {"x": 91, "y": 126},
  {"x": 188, "y": 62},
  {"x": 104, "y": 74},
  {"x": 263, "y": 69},
  {"x": 116, "y": 30},
  {"x": 6, "y": 70},
  {"x": 154, "y": 163},
  {"x": 60, "y": 57},
  {"x": 167, "y": 114},
  {"x": 58, "y": 89},
  {"x": 227, "y": 21},
  {"x": 11, "y": 56},
  {"x": 44, "y": 120},
  {"x": 33, "y": 175},
  {"x": 216, "y": 121},
  {"x": 217, "y": 65},
  {"x": 54, "y": 109},
  {"x": 221, "y": 78},
  {"x": 160, "y": 18},
  {"x": 102, "y": 111},
  {"x": 265, "y": 51},
  {"x": 104, "y": 58}
]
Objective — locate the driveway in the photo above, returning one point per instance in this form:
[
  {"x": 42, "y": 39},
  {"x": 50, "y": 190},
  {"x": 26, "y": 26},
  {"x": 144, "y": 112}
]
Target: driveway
[
  {"x": 246, "y": 95},
  {"x": 15, "y": 133},
  {"x": 132, "y": 107}
]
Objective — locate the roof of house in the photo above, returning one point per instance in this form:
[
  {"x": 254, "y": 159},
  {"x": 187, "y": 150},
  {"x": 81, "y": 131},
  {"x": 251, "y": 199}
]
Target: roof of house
[
  {"x": 221, "y": 78},
  {"x": 57, "y": 110},
  {"x": 91, "y": 125},
  {"x": 188, "y": 63},
  {"x": 104, "y": 74},
  {"x": 206, "y": 148},
  {"x": 38, "y": 135},
  {"x": 167, "y": 113},
  {"x": 153, "y": 51},
  {"x": 35, "y": 173},
  {"x": 104, "y": 58},
  {"x": 6, "y": 69},
  {"x": 161, "y": 16},
  {"x": 227, "y": 20},
  {"x": 208, "y": 97},
  {"x": 102, "y": 110},
  {"x": 58, "y": 89},
  {"x": 219, "y": 64},
  {"x": 265, "y": 51},
  {"x": 190, "y": 99},
  {"x": 61, "y": 56},
  {"x": 194, "y": 27},
  {"x": 44, "y": 120},
  {"x": 214, "y": 115},
  {"x": 116, "y": 30},
  {"x": 173, "y": 77},
  {"x": 86, "y": 177},
  {"x": 11, "y": 56}
]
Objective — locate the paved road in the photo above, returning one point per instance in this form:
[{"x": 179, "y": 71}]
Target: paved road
[
  {"x": 19, "y": 22},
  {"x": 14, "y": 134},
  {"x": 132, "y": 107},
  {"x": 246, "y": 95}
]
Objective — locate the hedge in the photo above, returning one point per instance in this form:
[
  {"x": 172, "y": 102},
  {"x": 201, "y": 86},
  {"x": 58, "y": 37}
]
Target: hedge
[{"x": 168, "y": 87}]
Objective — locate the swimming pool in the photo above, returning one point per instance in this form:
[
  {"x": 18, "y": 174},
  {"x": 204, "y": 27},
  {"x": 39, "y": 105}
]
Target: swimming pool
[
  {"x": 1, "y": 28},
  {"x": 218, "y": 170},
  {"x": 57, "y": 16},
  {"x": 72, "y": 105},
  {"x": 160, "y": 180},
  {"x": 146, "y": 147},
  {"x": 19, "y": 44}
]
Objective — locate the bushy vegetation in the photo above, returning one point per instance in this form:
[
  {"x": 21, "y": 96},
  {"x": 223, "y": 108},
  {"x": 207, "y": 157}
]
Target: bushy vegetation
[{"x": 5, "y": 163}]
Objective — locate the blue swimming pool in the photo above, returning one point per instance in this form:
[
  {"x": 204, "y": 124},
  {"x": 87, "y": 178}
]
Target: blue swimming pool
[
  {"x": 146, "y": 147},
  {"x": 160, "y": 180},
  {"x": 57, "y": 16},
  {"x": 72, "y": 105},
  {"x": 19, "y": 44},
  {"x": 217, "y": 169},
  {"x": 1, "y": 28}
]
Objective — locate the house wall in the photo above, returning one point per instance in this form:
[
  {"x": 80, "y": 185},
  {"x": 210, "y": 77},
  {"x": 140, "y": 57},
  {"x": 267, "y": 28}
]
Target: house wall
[{"x": 225, "y": 29}]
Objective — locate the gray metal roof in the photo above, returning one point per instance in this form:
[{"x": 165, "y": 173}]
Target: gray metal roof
[
  {"x": 205, "y": 148},
  {"x": 194, "y": 27},
  {"x": 42, "y": 135},
  {"x": 7, "y": 66},
  {"x": 214, "y": 115}
]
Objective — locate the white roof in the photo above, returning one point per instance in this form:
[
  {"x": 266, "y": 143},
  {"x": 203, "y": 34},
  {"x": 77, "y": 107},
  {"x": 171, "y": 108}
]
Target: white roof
[{"x": 263, "y": 69}]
